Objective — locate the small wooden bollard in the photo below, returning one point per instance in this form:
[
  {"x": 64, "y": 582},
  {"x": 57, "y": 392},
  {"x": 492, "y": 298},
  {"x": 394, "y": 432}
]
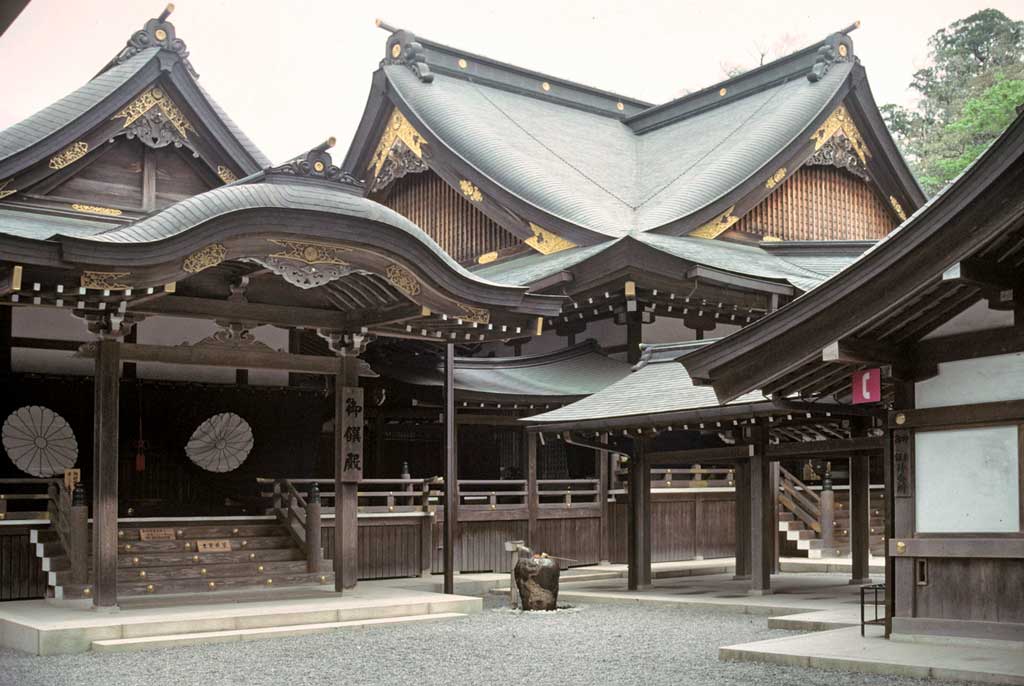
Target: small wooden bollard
[
  {"x": 313, "y": 551},
  {"x": 78, "y": 532}
]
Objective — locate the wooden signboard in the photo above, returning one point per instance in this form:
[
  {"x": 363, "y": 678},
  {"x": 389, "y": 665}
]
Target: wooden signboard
[
  {"x": 165, "y": 533},
  {"x": 221, "y": 545},
  {"x": 72, "y": 477},
  {"x": 352, "y": 437}
]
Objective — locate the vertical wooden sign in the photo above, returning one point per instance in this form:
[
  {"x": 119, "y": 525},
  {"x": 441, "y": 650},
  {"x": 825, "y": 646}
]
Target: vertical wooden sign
[
  {"x": 901, "y": 464},
  {"x": 72, "y": 477},
  {"x": 352, "y": 434}
]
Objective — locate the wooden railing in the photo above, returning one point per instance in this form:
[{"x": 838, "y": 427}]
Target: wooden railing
[
  {"x": 555, "y": 493},
  {"x": 24, "y": 490},
  {"x": 69, "y": 517},
  {"x": 300, "y": 513},
  {"x": 690, "y": 477},
  {"x": 797, "y": 498},
  {"x": 492, "y": 494}
]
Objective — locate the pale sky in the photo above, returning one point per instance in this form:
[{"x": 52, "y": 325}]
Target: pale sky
[{"x": 293, "y": 72}]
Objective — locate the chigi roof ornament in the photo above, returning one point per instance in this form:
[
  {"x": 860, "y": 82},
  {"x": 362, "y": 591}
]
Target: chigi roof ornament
[
  {"x": 157, "y": 33},
  {"x": 837, "y": 48},
  {"x": 402, "y": 48},
  {"x": 316, "y": 164}
]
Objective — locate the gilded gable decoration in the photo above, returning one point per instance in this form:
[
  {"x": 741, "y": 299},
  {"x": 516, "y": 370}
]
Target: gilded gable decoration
[
  {"x": 545, "y": 242},
  {"x": 225, "y": 174},
  {"x": 310, "y": 253},
  {"x": 4, "y": 190},
  {"x": 402, "y": 279},
  {"x": 397, "y": 129},
  {"x": 897, "y": 208},
  {"x": 399, "y": 162},
  {"x": 69, "y": 155},
  {"x": 155, "y": 120},
  {"x": 471, "y": 191},
  {"x": 775, "y": 179},
  {"x": 94, "y": 209},
  {"x": 475, "y": 315},
  {"x": 204, "y": 258},
  {"x": 838, "y": 152},
  {"x": 106, "y": 281},
  {"x": 840, "y": 121},
  {"x": 717, "y": 226}
]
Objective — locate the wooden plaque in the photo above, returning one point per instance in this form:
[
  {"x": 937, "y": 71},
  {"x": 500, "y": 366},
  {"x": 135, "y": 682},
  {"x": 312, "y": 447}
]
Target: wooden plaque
[
  {"x": 352, "y": 434},
  {"x": 72, "y": 477},
  {"x": 165, "y": 533},
  {"x": 220, "y": 545}
]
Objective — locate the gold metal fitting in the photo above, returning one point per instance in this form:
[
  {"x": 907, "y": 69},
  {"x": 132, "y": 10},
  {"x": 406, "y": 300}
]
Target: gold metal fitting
[
  {"x": 160, "y": 34},
  {"x": 260, "y": 568},
  {"x": 318, "y": 165},
  {"x": 212, "y": 585},
  {"x": 87, "y": 592},
  {"x": 120, "y": 534},
  {"x": 180, "y": 532},
  {"x": 188, "y": 546},
  {"x": 195, "y": 558},
  {"x": 202, "y": 572},
  {"x": 135, "y": 560},
  {"x": 901, "y": 419},
  {"x": 842, "y": 50},
  {"x": 545, "y": 86},
  {"x": 149, "y": 588},
  {"x": 245, "y": 543},
  {"x": 396, "y": 50},
  {"x": 142, "y": 573},
  {"x": 620, "y": 106},
  {"x": 323, "y": 579},
  {"x": 234, "y": 532},
  {"x": 722, "y": 91},
  {"x": 270, "y": 582},
  {"x": 901, "y": 547},
  {"x": 127, "y": 546},
  {"x": 252, "y": 556}
]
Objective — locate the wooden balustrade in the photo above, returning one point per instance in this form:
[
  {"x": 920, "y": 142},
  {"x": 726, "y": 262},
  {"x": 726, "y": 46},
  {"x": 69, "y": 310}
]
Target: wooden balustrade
[
  {"x": 689, "y": 477},
  {"x": 553, "y": 493},
  {"x": 796, "y": 497}
]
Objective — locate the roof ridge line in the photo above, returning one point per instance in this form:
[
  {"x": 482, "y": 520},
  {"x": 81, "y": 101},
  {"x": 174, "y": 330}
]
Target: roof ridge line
[{"x": 156, "y": 33}]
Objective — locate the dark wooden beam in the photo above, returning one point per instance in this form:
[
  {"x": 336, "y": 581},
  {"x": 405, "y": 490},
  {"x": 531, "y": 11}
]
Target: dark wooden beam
[
  {"x": 987, "y": 274},
  {"x": 698, "y": 455},
  {"x": 968, "y": 346},
  {"x": 106, "y": 400},
  {"x": 778, "y": 451},
  {"x": 222, "y": 357},
  {"x": 279, "y": 315},
  {"x": 1002, "y": 411}
]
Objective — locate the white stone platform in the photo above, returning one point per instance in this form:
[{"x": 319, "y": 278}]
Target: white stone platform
[
  {"x": 846, "y": 650},
  {"x": 42, "y": 628}
]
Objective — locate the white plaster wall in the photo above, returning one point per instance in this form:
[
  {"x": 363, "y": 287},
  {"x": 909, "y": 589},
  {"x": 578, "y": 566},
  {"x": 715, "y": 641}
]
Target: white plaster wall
[
  {"x": 977, "y": 317},
  {"x": 967, "y": 382}
]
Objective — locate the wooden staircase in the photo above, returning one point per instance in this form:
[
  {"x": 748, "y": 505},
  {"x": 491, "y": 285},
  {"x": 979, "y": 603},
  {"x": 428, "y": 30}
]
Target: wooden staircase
[
  {"x": 261, "y": 556},
  {"x": 804, "y": 518}
]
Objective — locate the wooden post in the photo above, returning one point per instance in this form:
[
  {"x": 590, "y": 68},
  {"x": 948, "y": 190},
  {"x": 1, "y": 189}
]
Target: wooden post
[
  {"x": 827, "y": 509},
  {"x": 639, "y": 519},
  {"x": 602, "y": 498},
  {"x": 532, "y": 494},
  {"x": 741, "y": 481},
  {"x": 107, "y": 387},
  {"x": 774, "y": 476},
  {"x": 78, "y": 526},
  {"x": 314, "y": 554},
  {"x": 348, "y": 468},
  {"x": 860, "y": 522},
  {"x": 426, "y": 532},
  {"x": 634, "y": 336},
  {"x": 899, "y": 583},
  {"x": 451, "y": 471},
  {"x": 761, "y": 501}
]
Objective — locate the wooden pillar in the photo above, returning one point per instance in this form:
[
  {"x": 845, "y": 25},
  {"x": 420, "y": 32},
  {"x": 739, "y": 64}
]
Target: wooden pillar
[
  {"x": 78, "y": 532},
  {"x": 634, "y": 336},
  {"x": 639, "y": 557},
  {"x": 451, "y": 471},
  {"x": 900, "y": 585},
  {"x": 106, "y": 414},
  {"x": 761, "y": 500},
  {"x": 742, "y": 482},
  {"x": 774, "y": 476},
  {"x": 860, "y": 518},
  {"x": 602, "y": 497},
  {"x": 532, "y": 495},
  {"x": 348, "y": 469},
  {"x": 314, "y": 553}
]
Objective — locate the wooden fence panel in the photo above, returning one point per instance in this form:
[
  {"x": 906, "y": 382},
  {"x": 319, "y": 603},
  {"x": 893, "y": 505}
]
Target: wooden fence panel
[{"x": 21, "y": 572}]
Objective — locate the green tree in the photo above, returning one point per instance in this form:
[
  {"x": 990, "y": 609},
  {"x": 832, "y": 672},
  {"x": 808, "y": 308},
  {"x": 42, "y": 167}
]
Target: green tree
[{"x": 968, "y": 95}]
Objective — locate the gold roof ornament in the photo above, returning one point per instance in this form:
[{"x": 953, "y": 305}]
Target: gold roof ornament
[
  {"x": 402, "y": 279},
  {"x": 471, "y": 191},
  {"x": 95, "y": 209},
  {"x": 225, "y": 174},
  {"x": 717, "y": 226},
  {"x": 155, "y": 97},
  {"x": 204, "y": 258},
  {"x": 69, "y": 155},
  {"x": 106, "y": 281},
  {"x": 898, "y": 208},
  {"x": 398, "y": 129},
  {"x": 4, "y": 190},
  {"x": 775, "y": 179},
  {"x": 840, "y": 121},
  {"x": 546, "y": 242}
]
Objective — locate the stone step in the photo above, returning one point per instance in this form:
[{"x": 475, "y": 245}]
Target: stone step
[
  {"x": 800, "y": 535},
  {"x": 202, "y": 638},
  {"x": 200, "y": 585}
]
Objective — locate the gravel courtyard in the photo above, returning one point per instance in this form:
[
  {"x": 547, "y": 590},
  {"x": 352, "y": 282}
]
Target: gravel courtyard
[{"x": 588, "y": 644}]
